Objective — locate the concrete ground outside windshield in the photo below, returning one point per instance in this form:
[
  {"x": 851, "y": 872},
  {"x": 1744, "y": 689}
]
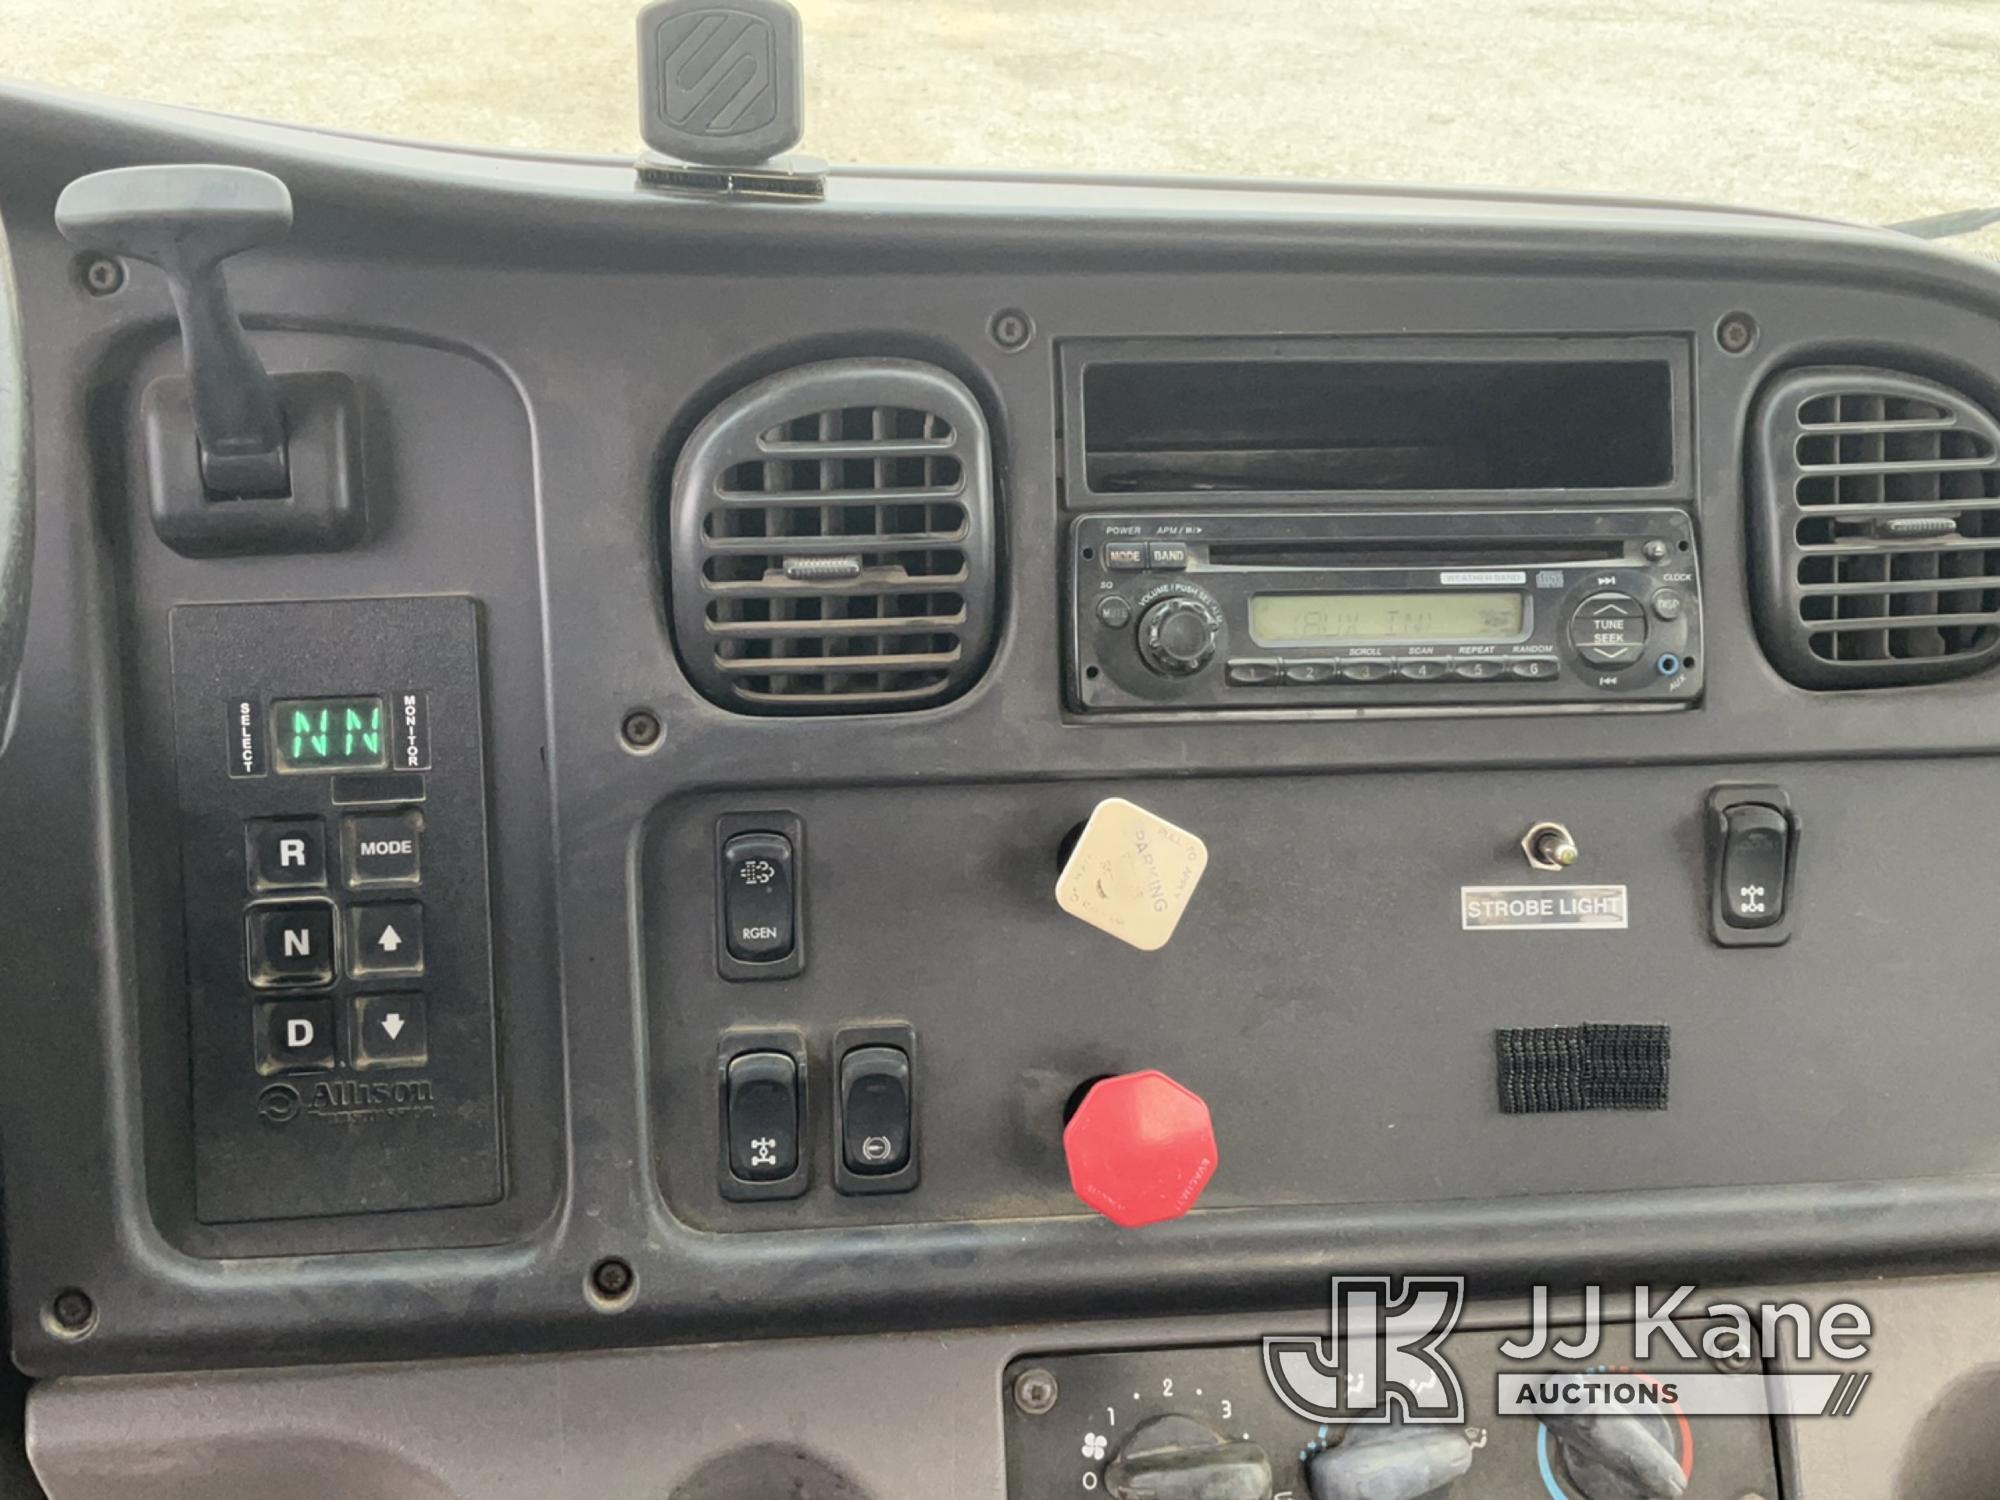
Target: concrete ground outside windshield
[{"x": 1876, "y": 110}]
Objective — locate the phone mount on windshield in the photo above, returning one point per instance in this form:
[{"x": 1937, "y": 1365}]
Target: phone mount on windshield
[{"x": 722, "y": 100}]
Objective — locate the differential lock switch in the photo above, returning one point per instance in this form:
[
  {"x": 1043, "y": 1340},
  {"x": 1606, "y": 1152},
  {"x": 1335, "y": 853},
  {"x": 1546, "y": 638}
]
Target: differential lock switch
[{"x": 1755, "y": 850}]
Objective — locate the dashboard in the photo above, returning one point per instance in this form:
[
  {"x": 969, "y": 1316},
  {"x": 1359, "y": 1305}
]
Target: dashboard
[{"x": 611, "y": 934}]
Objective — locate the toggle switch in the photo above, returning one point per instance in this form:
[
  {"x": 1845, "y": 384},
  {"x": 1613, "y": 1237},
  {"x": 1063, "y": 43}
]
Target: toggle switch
[{"x": 1753, "y": 839}]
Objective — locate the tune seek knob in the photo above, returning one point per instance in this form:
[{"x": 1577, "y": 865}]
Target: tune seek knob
[{"x": 1176, "y": 637}]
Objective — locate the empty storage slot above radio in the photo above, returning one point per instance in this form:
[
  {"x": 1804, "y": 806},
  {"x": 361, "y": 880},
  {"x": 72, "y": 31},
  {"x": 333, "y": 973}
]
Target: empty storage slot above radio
[{"x": 1565, "y": 417}]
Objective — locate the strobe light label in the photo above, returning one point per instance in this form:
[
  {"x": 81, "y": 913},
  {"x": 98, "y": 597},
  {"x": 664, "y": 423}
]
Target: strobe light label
[{"x": 1516, "y": 908}]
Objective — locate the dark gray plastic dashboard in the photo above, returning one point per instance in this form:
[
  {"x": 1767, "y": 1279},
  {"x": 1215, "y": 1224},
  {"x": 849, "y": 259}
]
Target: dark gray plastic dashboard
[{"x": 535, "y": 340}]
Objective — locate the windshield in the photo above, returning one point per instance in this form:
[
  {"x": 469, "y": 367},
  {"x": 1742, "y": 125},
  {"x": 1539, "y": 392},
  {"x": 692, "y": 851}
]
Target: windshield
[{"x": 1876, "y": 110}]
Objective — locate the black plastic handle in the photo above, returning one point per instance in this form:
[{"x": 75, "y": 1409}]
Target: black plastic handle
[{"x": 187, "y": 220}]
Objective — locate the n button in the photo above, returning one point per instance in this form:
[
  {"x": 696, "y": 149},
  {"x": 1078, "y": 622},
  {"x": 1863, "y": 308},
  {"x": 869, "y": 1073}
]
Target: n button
[{"x": 290, "y": 945}]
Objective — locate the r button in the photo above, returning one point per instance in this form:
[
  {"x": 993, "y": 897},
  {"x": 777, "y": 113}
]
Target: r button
[{"x": 286, "y": 853}]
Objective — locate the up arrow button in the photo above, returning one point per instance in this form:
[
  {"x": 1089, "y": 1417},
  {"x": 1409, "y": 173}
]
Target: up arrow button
[{"x": 387, "y": 939}]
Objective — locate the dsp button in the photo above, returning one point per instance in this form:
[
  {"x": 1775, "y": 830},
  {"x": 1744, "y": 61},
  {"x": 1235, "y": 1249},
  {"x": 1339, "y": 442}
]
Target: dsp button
[
  {"x": 1141, "y": 1148},
  {"x": 383, "y": 848}
]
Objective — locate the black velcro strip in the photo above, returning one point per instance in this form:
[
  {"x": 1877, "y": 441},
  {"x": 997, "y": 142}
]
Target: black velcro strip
[{"x": 1554, "y": 1069}]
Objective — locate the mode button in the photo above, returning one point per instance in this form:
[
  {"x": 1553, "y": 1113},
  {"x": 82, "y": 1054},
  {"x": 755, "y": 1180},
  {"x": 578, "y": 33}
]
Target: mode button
[{"x": 383, "y": 848}]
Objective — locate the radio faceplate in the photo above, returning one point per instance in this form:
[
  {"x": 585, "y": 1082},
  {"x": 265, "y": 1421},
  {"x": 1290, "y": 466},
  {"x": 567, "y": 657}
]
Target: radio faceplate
[{"x": 1384, "y": 611}]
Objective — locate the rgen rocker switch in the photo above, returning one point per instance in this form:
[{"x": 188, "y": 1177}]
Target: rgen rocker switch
[{"x": 759, "y": 896}]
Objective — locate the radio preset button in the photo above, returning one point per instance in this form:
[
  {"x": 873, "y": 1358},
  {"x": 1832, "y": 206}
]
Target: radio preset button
[
  {"x": 1172, "y": 555},
  {"x": 1245, "y": 672},
  {"x": 1365, "y": 670},
  {"x": 1422, "y": 668},
  {"x": 1125, "y": 557},
  {"x": 1532, "y": 668},
  {"x": 1475, "y": 668},
  {"x": 1114, "y": 611},
  {"x": 1311, "y": 671}
]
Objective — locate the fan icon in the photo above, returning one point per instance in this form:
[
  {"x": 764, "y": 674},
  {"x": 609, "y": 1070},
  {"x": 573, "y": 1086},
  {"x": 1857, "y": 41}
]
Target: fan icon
[{"x": 1094, "y": 1446}]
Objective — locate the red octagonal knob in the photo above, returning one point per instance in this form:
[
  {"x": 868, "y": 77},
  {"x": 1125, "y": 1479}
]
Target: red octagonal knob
[{"x": 1141, "y": 1148}]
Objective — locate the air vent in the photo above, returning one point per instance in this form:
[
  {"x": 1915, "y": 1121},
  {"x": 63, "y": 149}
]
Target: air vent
[
  {"x": 832, "y": 542},
  {"x": 1875, "y": 529}
]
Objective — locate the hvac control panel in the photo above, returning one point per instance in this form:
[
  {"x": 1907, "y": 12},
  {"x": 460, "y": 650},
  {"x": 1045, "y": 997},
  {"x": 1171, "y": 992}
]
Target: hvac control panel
[
  {"x": 333, "y": 856},
  {"x": 1210, "y": 1420}
]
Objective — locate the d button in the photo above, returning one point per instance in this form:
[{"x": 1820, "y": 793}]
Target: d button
[{"x": 294, "y": 1036}]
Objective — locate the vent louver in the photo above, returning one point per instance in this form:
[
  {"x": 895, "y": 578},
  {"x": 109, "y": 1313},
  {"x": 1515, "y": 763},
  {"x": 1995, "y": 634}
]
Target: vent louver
[
  {"x": 832, "y": 544},
  {"x": 1875, "y": 529}
]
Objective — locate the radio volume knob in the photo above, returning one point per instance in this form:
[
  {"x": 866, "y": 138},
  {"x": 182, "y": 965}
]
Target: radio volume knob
[{"x": 1176, "y": 637}]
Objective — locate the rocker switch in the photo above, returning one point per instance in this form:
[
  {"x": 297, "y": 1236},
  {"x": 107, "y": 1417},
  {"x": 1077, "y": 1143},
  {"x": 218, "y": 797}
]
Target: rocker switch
[
  {"x": 757, "y": 905},
  {"x": 1755, "y": 852}
]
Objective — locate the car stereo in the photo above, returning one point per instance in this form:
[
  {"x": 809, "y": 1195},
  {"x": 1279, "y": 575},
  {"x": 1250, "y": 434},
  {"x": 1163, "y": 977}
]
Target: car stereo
[{"x": 1384, "y": 611}]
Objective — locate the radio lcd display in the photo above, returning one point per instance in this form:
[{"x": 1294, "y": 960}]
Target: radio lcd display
[{"x": 1329, "y": 619}]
